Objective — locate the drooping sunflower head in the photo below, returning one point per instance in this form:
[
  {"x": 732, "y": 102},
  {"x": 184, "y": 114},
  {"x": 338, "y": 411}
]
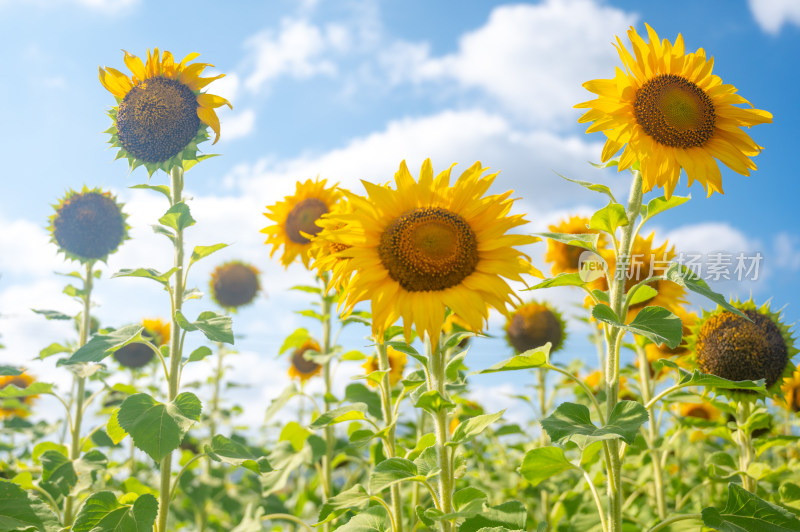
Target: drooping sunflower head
[
  {"x": 161, "y": 114},
  {"x": 295, "y": 220},
  {"x": 302, "y": 367},
  {"x": 534, "y": 324},
  {"x": 734, "y": 348},
  {"x": 138, "y": 354},
  {"x": 425, "y": 246},
  {"x": 234, "y": 284},
  {"x": 16, "y": 406},
  {"x": 791, "y": 391},
  {"x": 397, "y": 364},
  {"x": 564, "y": 258},
  {"x": 667, "y": 111},
  {"x": 88, "y": 225}
]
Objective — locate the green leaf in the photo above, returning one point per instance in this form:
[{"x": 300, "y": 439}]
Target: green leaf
[
  {"x": 572, "y": 422},
  {"x": 351, "y": 412},
  {"x": 594, "y": 187},
  {"x": 201, "y": 252},
  {"x": 102, "y": 512},
  {"x": 52, "y": 314},
  {"x": 20, "y": 510},
  {"x": 510, "y": 515},
  {"x": 279, "y": 402},
  {"x": 177, "y": 217},
  {"x": 697, "y": 378},
  {"x": 200, "y": 353},
  {"x": 215, "y": 327},
  {"x": 389, "y": 472},
  {"x": 745, "y": 512},
  {"x": 562, "y": 279},
  {"x": 581, "y": 240},
  {"x": 374, "y": 519},
  {"x": 115, "y": 432},
  {"x": 427, "y": 440},
  {"x": 58, "y": 473},
  {"x": 148, "y": 273},
  {"x": 34, "y": 388},
  {"x": 359, "y": 393},
  {"x": 158, "y": 428},
  {"x": 657, "y": 324},
  {"x": 532, "y": 358},
  {"x": 433, "y": 401},
  {"x": 9, "y": 371},
  {"x": 102, "y": 345},
  {"x": 609, "y": 218},
  {"x": 226, "y": 450},
  {"x": 680, "y": 274},
  {"x": 661, "y": 204},
  {"x": 295, "y": 434},
  {"x": 163, "y": 189},
  {"x": 606, "y": 314},
  {"x": 542, "y": 463},
  {"x": 294, "y": 340},
  {"x": 53, "y": 349},
  {"x": 642, "y": 294},
  {"x": 468, "y": 429},
  {"x": 349, "y": 499}
]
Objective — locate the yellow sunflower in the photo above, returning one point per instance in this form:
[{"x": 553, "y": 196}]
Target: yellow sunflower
[
  {"x": 296, "y": 220},
  {"x": 791, "y": 391},
  {"x": 595, "y": 382},
  {"x": 234, "y": 284},
  {"x": 397, "y": 363},
  {"x": 161, "y": 115},
  {"x": 667, "y": 111},
  {"x": 705, "y": 411},
  {"x": 534, "y": 324},
  {"x": 329, "y": 255},
  {"x": 138, "y": 354},
  {"x": 301, "y": 367},
  {"x": 17, "y": 406},
  {"x": 563, "y": 257},
  {"x": 425, "y": 246}
]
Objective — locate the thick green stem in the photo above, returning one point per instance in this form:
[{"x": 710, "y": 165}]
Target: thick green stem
[
  {"x": 436, "y": 368},
  {"x": 326, "y": 371},
  {"x": 80, "y": 386},
  {"x": 388, "y": 419},
  {"x": 745, "y": 443},
  {"x": 544, "y": 441},
  {"x": 652, "y": 432},
  {"x": 176, "y": 177},
  {"x": 614, "y": 339}
]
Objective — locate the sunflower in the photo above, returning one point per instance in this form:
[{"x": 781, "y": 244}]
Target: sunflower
[
  {"x": 17, "y": 406},
  {"x": 234, "y": 284},
  {"x": 88, "y": 225},
  {"x": 138, "y": 354},
  {"x": 302, "y": 368},
  {"x": 328, "y": 253},
  {"x": 534, "y": 324},
  {"x": 425, "y": 246},
  {"x": 595, "y": 382},
  {"x": 563, "y": 257},
  {"x": 791, "y": 391},
  {"x": 735, "y": 348},
  {"x": 295, "y": 220},
  {"x": 465, "y": 410},
  {"x": 397, "y": 363},
  {"x": 704, "y": 411},
  {"x": 669, "y": 112},
  {"x": 161, "y": 115}
]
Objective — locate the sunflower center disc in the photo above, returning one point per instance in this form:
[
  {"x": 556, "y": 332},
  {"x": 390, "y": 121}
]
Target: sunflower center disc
[
  {"x": 235, "y": 285},
  {"x": 302, "y": 219},
  {"x": 675, "y": 112},
  {"x": 157, "y": 119},
  {"x": 429, "y": 249},
  {"x": 89, "y": 225},
  {"x": 302, "y": 364}
]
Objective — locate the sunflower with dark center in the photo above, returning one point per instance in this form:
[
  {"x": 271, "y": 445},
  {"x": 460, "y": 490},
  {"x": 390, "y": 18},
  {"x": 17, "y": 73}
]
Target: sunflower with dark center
[
  {"x": 736, "y": 348},
  {"x": 397, "y": 364},
  {"x": 667, "y": 111},
  {"x": 426, "y": 246},
  {"x": 88, "y": 225},
  {"x": 564, "y": 258},
  {"x": 328, "y": 253},
  {"x": 161, "y": 115},
  {"x": 138, "y": 354},
  {"x": 791, "y": 392},
  {"x": 534, "y": 324},
  {"x": 703, "y": 411},
  {"x": 234, "y": 284},
  {"x": 16, "y": 406},
  {"x": 301, "y": 367},
  {"x": 296, "y": 219}
]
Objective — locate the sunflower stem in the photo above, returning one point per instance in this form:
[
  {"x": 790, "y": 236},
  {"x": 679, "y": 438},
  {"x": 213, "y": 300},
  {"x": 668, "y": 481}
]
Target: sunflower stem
[
  {"x": 745, "y": 443},
  {"x": 80, "y": 386},
  {"x": 327, "y": 376},
  {"x": 176, "y": 178},
  {"x": 613, "y": 341},
  {"x": 652, "y": 431},
  {"x": 388, "y": 418},
  {"x": 544, "y": 441},
  {"x": 436, "y": 368}
]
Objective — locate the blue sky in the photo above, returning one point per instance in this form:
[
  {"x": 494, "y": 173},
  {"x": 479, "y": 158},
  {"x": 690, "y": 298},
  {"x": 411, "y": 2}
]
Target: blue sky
[{"x": 346, "y": 90}]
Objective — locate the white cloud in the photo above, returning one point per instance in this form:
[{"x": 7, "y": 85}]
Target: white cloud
[
  {"x": 237, "y": 125},
  {"x": 787, "y": 251},
  {"x": 27, "y": 249},
  {"x": 772, "y": 15},
  {"x": 108, "y": 6},
  {"x": 531, "y": 58}
]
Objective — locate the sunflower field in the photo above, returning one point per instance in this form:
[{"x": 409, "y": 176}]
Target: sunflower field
[{"x": 677, "y": 410}]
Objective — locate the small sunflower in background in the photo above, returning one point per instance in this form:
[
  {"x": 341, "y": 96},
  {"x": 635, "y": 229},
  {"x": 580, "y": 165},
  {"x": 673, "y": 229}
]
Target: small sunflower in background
[
  {"x": 234, "y": 284},
  {"x": 16, "y": 406},
  {"x": 301, "y": 367},
  {"x": 703, "y": 410},
  {"x": 465, "y": 409},
  {"x": 564, "y": 258},
  {"x": 534, "y": 324},
  {"x": 138, "y": 354},
  {"x": 426, "y": 246},
  {"x": 667, "y": 111},
  {"x": 791, "y": 391},
  {"x": 735, "y": 348},
  {"x": 679, "y": 354},
  {"x": 296, "y": 219},
  {"x": 595, "y": 382},
  {"x": 88, "y": 225},
  {"x": 161, "y": 114},
  {"x": 397, "y": 364}
]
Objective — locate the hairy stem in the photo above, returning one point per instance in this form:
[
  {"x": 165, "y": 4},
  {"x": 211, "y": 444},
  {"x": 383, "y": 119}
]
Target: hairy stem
[
  {"x": 436, "y": 368},
  {"x": 388, "y": 419},
  {"x": 652, "y": 432}
]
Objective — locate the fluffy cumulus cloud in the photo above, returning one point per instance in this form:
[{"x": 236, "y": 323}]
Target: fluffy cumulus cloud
[{"x": 772, "y": 15}]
